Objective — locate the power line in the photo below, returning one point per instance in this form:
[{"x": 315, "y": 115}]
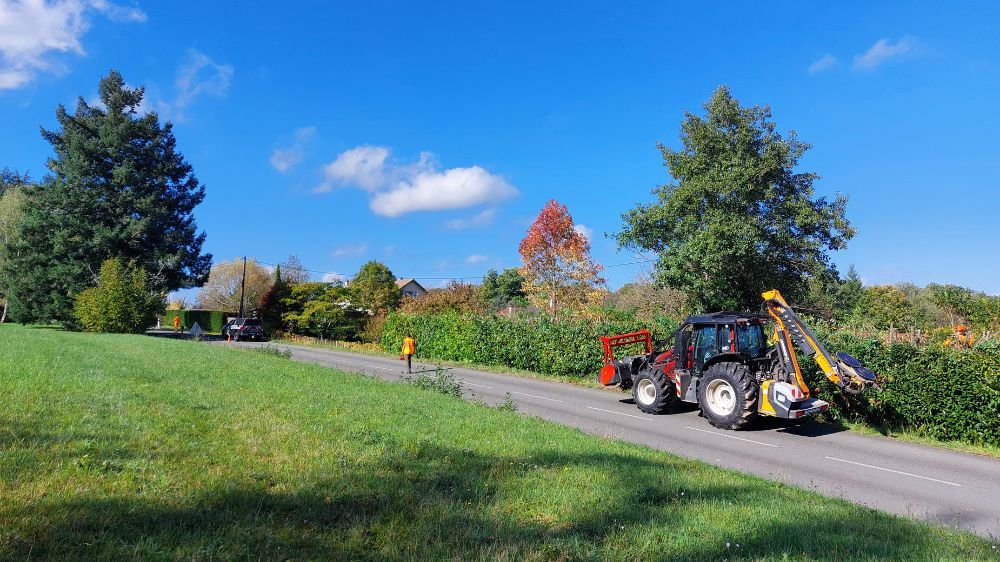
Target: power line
[{"x": 423, "y": 277}]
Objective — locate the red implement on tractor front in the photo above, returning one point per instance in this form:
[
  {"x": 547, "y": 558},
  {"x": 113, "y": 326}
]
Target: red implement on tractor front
[{"x": 612, "y": 371}]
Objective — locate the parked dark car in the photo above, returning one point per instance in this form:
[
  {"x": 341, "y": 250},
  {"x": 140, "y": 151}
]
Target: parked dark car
[{"x": 244, "y": 329}]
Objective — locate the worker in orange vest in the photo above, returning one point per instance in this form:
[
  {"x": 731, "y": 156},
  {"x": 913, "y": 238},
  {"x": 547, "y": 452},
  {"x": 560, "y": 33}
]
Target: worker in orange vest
[
  {"x": 409, "y": 348},
  {"x": 177, "y": 322}
]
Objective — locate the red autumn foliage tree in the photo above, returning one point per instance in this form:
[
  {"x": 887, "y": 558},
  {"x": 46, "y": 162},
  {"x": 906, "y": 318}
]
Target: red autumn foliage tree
[{"x": 556, "y": 263}]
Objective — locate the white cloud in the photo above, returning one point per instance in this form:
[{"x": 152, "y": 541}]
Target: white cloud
[
  {"x": 283, "y": 159},
  {"x": 475, "y": 258},
  {"x": 584, "y": 231},
  {"x": 334, "y": 278},
  {"x": 456, "y": 188},
  {"x": 362, "y": 166},
  {"x": 398, "y": 189},
  {"x": 484, "y": 218},
  {"x": 32, "y": 31},
  {"x": 882, "y": 51},
  {"x": 197, "y": 76},
  {"x": 825, "y": 62},
  {"x": 350, "y": 250},
  {"x": 115, "y": 12}
]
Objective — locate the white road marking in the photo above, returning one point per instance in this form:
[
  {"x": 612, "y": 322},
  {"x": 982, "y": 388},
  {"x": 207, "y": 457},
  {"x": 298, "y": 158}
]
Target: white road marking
[
  {"x": 474, "y": 384},
  {"x": 620, "y": 413},
  {"x": 896, "y": 471},
  {"x": 535, "y": 396},
  {"x": 732, "y": 437}
]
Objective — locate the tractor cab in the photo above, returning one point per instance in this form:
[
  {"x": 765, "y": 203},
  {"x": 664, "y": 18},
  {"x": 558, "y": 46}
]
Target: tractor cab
[{"x": 707, "y": 339}]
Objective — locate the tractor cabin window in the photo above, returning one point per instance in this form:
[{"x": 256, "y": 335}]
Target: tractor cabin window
[
  {"x": 706, "y": 346},
  {"x": 751, "y": 339}
]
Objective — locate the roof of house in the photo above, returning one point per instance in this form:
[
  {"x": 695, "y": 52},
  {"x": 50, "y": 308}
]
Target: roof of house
[{"x": 404, "y": 282}]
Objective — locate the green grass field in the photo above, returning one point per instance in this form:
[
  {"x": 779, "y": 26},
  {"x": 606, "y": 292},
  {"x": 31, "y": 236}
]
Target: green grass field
[{"x": 136, "y": 447}]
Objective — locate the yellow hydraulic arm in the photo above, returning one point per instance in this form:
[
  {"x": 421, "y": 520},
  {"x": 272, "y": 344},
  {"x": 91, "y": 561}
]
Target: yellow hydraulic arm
[{"x": 844, "y": 371}]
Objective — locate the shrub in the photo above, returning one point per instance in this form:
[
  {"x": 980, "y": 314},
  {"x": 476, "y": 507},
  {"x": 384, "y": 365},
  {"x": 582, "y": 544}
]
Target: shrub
[
  {"x": 441, "y": 381},
  {"x": 372, "y": 328},
  {"x": 273, "y": 351},
  {"x": 120, "y": 303}
]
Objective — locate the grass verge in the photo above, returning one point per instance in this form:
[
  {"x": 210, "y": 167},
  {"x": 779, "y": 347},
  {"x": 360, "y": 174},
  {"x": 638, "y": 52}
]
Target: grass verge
[{"x": 138, "y": 447}]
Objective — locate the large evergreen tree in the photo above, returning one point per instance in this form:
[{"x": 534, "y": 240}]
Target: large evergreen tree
[
  {"x": 118, "y": 188},
  {"x": 738, "y": 218}
]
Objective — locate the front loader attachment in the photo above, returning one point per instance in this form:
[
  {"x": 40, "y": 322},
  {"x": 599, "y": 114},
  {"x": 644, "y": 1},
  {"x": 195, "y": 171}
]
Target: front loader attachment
[{"x": 616, "y": 372}]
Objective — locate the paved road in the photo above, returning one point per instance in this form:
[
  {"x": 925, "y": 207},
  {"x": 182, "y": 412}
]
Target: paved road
[{"x": 949, "y": 487}]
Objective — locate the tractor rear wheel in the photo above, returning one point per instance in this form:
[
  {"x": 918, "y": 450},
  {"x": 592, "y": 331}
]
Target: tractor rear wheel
[
  {"x": 653, "y": 392},
  {"x": 727, "y": 395}
]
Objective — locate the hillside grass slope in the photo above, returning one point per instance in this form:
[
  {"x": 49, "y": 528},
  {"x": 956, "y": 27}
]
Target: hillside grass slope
[{"x": 130, "y": 447}]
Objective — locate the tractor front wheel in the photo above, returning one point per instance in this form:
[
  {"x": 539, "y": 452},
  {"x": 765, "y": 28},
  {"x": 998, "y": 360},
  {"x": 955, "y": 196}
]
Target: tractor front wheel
[
  {"x": 653, "y": 392},
  {"x": 727, "y": 395}
]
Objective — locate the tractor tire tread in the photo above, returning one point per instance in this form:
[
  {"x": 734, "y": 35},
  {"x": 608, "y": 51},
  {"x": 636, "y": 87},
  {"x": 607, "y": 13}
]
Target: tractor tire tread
[
  {"x": 743, "y": 381},
  {"x": 666, "y": 395}
]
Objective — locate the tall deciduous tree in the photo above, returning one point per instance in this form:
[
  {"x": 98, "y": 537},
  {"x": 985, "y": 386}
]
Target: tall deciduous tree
[
  {"x": 737, "y": 218},
  {"x": 556, "y": 264},
  {"x": 118, "y": 188},
  {"x": 292, "y": 270},
  {"x": 222, "y": 291},
  {"x": 375, "y": 288},
  {"x": 11, "y": 210}
]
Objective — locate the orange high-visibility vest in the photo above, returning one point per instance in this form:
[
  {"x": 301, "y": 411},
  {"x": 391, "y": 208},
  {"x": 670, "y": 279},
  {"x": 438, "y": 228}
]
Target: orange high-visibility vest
[{"x": 409, "y": 346}]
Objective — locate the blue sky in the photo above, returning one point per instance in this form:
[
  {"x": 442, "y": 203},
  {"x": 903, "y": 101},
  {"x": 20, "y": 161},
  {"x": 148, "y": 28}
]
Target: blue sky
[{"x": 428, "y": 135}]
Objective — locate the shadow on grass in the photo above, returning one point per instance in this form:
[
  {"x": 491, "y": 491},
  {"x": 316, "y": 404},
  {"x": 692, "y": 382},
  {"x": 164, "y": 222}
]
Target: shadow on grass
[{"x": 424, "y": 501}]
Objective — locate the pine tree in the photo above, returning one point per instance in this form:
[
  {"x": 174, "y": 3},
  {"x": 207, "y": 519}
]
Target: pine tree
[{"x": 118, "y": 188}]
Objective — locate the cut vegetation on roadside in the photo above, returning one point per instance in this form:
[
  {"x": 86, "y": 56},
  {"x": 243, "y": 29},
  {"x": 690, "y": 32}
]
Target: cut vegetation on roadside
[{"x": 135, "y": 447}]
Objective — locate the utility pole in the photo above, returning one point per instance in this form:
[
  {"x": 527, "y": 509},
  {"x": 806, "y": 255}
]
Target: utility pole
[{"x": 243, "y": 285}]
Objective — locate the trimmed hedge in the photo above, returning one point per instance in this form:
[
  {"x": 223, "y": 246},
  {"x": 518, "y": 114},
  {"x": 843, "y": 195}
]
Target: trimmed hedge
[
  {"x": 565, "y": 348},
  {"x": 942, "y": 393},
  {"x": 210, "y": 320}
]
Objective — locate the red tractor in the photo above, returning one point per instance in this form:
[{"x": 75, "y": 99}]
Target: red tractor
[{"x": 724, "y": 363}]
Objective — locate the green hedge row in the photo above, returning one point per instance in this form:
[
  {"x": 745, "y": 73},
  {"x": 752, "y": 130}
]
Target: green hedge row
[
  {"x": 942, "y": 393},
  {"x": 939, "y": 392},
  {"x": 210, "y": 320},
  {"x": 565, "y": 348}
]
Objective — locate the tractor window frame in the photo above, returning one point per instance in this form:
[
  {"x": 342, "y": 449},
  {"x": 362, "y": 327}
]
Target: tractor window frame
[{"x": 683, "y": 347}]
